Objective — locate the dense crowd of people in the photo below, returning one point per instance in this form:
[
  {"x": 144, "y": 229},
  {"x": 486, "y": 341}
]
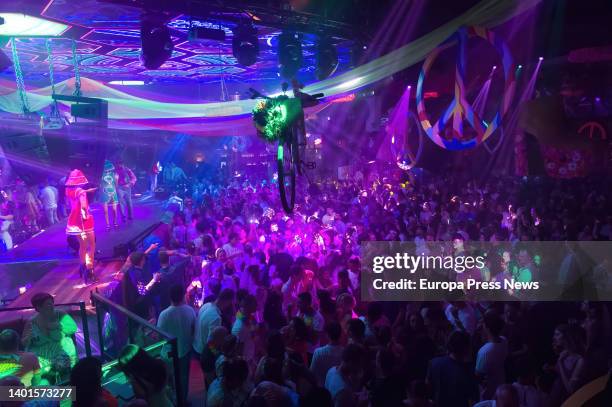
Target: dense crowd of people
[{"x": 270, "y": 304}]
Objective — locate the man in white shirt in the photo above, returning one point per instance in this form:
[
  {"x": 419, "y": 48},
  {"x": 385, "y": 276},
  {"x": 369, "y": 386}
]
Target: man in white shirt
[
  {"x": 179, "y": 320},
  {"x": 343, "y": 381},
  {"x": 209, "y": 317},
  {"x": 354, "y": 270},
  {"x": 233, "y": 248},
  {"x": 49, "y": 196},
  {"x": 328, "y": 356},
  {"x": 491, "y": 358}
]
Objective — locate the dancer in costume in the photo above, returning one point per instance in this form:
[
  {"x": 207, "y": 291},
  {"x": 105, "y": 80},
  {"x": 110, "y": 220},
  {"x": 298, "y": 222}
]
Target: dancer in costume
[
  {"x": 81, "y": 221},
  {"x": 108, "y": 192}
]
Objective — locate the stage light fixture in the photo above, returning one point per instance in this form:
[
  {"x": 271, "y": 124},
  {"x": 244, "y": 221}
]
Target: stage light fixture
[
  {"x": 245, "y": 44},
  {"x": 327, "y": 59},
  {"x": 157, "y": 45},
  {"x": 290, "y": 56}
]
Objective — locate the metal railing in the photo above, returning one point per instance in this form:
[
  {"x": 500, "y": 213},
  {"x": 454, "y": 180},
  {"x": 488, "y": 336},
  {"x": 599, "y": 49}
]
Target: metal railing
[{"x": 134, "y": 324}]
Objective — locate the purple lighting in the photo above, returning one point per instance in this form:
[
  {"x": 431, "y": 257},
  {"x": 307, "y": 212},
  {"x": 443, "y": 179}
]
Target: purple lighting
[{"x": 541, "y": 58}]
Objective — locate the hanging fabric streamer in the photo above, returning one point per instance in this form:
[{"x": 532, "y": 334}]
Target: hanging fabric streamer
[
  {"x": 19, "y": 78},
  {"x": 77, "y": 74},
  {"x": 479, "y": 105}
]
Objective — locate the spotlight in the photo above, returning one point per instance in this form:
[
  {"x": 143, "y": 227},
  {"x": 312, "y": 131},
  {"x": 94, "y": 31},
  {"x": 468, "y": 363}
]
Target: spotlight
[
  {"x": 327, "y": 59},
  {"x": 245, "y": 44},
  {"x": 289, "y": 54},
  {"x": 520, "y": 67},
  {"x": 156, "y": 44},
  {"x": 541, "y": 58},
  {"x": 494, "y": 67}
]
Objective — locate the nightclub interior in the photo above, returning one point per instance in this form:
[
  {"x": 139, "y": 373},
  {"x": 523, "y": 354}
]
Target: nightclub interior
[{"x": 286, "y": 203}]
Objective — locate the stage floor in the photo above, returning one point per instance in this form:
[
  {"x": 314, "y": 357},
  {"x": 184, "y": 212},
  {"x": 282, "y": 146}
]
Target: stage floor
[
  {"x": 65, "y": 284},
  {"x": 45, "y": 263},
  {"x": 51, "y": 243}
]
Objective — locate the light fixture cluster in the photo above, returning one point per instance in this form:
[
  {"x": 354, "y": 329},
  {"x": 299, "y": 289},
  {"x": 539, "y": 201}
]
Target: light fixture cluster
[
  {"x": 156, "y": 43},
  {"x": 245, "y": 44}
]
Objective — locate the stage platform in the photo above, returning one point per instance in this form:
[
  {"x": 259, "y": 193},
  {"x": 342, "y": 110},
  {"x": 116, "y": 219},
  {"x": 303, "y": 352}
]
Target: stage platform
[{"x": 45, "y": 263}]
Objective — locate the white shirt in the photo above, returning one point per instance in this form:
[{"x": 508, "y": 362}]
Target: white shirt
[
  {"x": 323, "y": 359},
  {"x": 341, "y": 392},
  {"x": 209, "y": 317},
  {"x": 48, "y": 197},
  {"x": 242, "y": 331},
  {"x": 327, "y": 219},
  {"x": 490, "y": 363},
  {"x": 232, "y": 251},
  {"x": 467, "y": 317},
  {"x": 354, "y": 277},
  {"x": 179, "y": 321}
]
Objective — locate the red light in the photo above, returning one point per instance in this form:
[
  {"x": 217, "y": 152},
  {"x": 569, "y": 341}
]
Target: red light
[
  {"x": 431, "y": 95},
  {"x": 343, "y": 99}
]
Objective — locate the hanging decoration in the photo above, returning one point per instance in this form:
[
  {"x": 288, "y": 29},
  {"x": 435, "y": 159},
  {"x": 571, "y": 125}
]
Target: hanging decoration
[
  {"x": 402, "y": 129},
  {"x": 50, "y": 58},
  {"x": 405, "y": 158},
  {"x": 125, "y": 107},
  {"x": 25, "y": 108},
  {"x": 77, "y": 73},
  {"x": 272, "y": 117},
  {"x": 460, "y": 110},
  {"x": 54, "y": 120},
  {"x": 498, "y": 144}
]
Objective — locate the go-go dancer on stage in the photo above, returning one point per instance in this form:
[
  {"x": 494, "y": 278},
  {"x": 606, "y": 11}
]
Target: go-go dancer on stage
[
  {"x": 81, "y": 222},
  {"x": 108, "y": 191}
]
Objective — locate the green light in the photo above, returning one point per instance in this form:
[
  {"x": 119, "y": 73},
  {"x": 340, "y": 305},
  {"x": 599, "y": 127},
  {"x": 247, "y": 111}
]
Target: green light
[
  {"x": 281, "y": 154},
  {"x": 128, "y": 353},
  {"x": 110, "y": 365},
  {"x": 9, "y": 368},
  {"x": 271, "y": 118},
  {"x": 21, "y": 25}
]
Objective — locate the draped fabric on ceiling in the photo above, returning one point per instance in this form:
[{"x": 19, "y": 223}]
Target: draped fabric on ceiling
[{"x": 132, "y": 112}]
